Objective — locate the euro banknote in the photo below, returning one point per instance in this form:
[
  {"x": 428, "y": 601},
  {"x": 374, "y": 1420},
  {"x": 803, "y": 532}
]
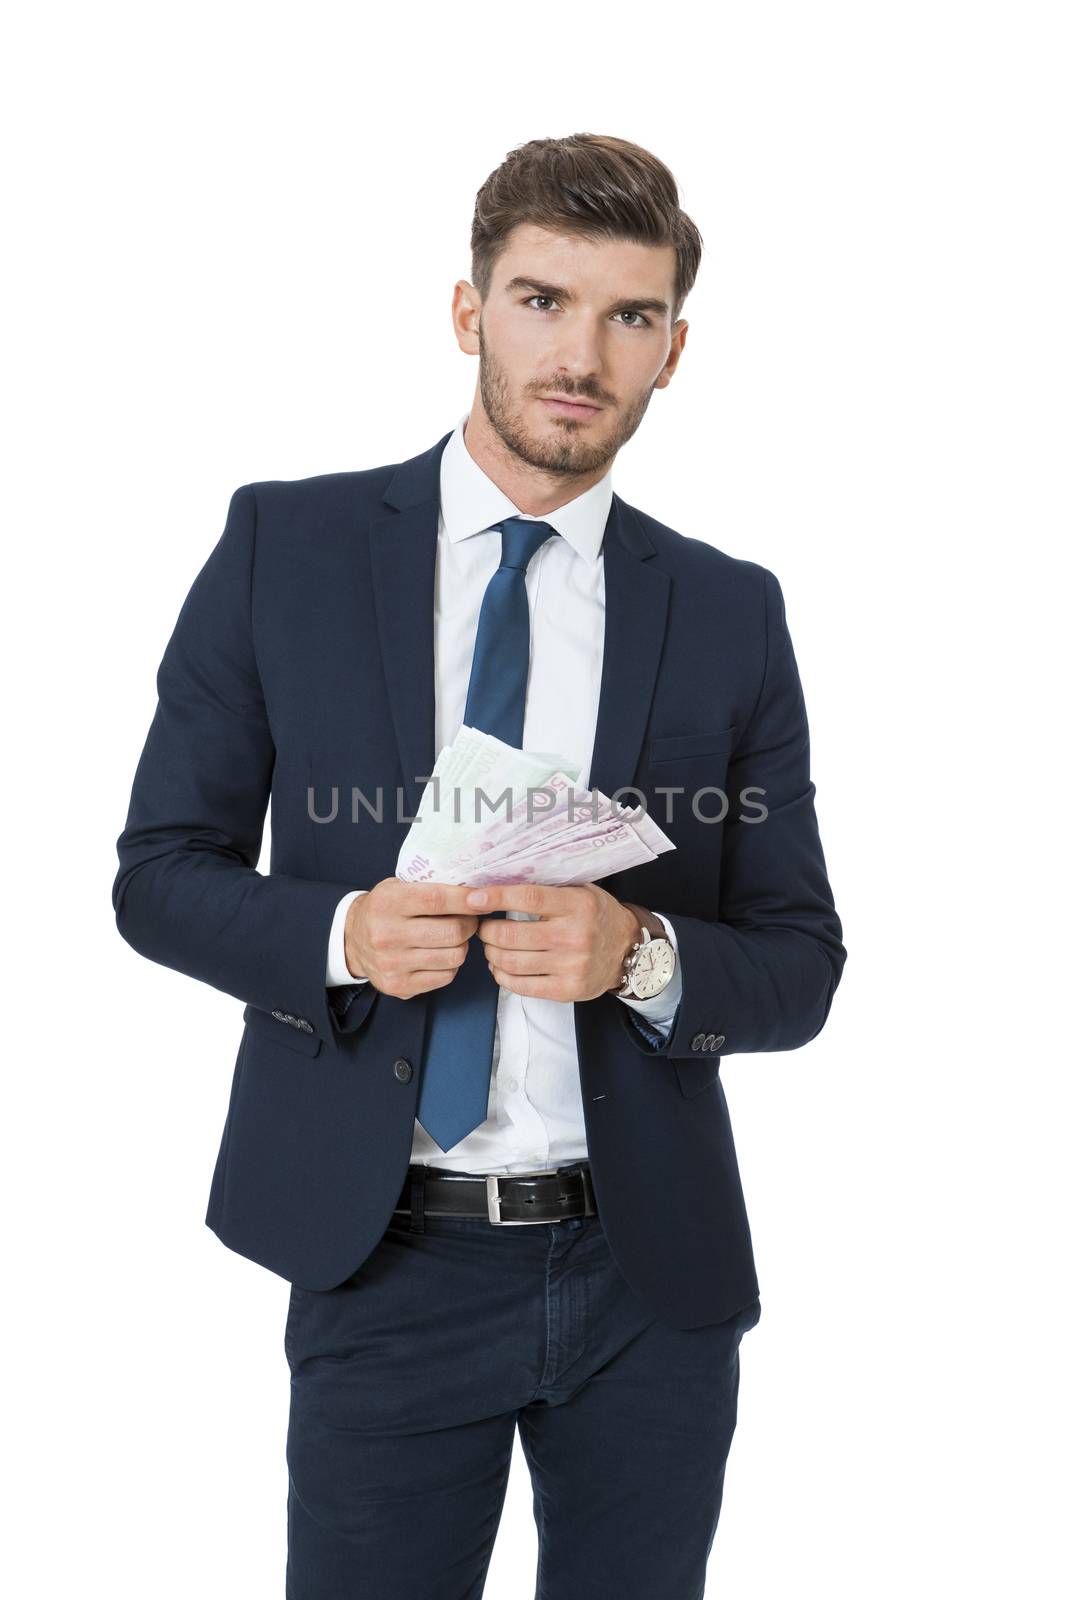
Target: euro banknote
[{"x": 491, "y": 813}]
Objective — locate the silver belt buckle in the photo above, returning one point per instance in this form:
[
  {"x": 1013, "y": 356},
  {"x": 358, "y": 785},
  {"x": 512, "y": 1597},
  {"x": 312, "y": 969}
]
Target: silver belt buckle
[{"x": 492, "y": 1190}]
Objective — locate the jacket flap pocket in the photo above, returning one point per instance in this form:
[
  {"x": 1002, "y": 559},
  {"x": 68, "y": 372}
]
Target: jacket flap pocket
[
  {"x": 308, "y": 1044},
  {"x": 695, "y": 1073},
  {"x": 673, "y": 746}
]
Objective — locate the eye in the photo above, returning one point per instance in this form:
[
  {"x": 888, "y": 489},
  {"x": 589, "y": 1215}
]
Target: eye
[{"x": 643, "y": 323}]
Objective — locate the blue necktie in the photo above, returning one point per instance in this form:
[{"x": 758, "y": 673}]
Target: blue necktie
[{"x": 461, "y": 1017}]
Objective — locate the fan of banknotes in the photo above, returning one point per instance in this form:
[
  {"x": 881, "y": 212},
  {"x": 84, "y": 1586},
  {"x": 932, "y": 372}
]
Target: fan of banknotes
[{"x": 491, "y": 813}]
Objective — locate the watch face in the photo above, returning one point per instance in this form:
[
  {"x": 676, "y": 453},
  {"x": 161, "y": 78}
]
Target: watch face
[{"x": 653, "y": 969}]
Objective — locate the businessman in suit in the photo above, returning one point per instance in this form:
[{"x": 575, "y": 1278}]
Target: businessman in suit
[{"x": 485, "y": 1138}]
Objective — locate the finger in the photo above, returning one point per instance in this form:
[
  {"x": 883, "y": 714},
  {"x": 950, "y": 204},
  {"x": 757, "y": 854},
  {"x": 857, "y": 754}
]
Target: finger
[
  {"x": 529, "y": 963},
  {"x": 518, "y": 935},
  {"x": 432, "y": 931},
  {"x": 534, "y": 988},
  {"x": 429, "y": 899},
  {"x": 541, "y": 899},
  {"x": 425, "y": 958}
]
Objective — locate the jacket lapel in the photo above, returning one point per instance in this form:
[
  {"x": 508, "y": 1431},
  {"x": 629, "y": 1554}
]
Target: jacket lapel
[
  {"x": 636, "y": 603},
  {"x": 403, "y": 550}
]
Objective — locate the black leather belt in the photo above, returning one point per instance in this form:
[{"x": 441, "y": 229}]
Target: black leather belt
[{"x": 507, "y": 1199}]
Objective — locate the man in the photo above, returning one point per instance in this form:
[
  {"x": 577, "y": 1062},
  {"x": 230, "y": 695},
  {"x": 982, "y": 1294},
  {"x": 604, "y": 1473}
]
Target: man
[{"x": 421, "y": 1070}]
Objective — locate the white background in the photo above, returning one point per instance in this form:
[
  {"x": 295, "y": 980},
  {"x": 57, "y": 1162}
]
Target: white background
[{"x": 233, "y": 234}]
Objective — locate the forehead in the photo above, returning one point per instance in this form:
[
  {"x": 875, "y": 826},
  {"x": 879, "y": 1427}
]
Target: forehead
[{"x": 606, "y": 266}]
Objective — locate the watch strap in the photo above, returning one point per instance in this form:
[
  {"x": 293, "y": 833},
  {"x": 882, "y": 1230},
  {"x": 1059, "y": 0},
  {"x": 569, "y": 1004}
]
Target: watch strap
[{"x": 648, "y": 919}]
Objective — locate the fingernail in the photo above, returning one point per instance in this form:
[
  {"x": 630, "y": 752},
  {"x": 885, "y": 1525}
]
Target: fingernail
[{"x": 477, "y": 897}]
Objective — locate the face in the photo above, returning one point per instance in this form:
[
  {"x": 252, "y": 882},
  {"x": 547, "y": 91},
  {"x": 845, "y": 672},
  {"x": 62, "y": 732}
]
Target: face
[{"x": 571, "y": 320}]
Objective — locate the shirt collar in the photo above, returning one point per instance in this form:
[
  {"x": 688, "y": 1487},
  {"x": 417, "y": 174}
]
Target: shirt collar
[{"x": 472, "y": 502}]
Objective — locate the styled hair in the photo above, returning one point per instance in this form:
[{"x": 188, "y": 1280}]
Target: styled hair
[{"x": 591, "y": 185}]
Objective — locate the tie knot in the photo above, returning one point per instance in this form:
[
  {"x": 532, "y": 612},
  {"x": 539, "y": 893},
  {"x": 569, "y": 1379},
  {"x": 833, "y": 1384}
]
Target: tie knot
[{"x": 520, "y": 538}]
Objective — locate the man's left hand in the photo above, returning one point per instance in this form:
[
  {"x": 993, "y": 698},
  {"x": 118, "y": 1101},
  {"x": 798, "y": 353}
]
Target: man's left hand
[{"x": 574, "y": 952}]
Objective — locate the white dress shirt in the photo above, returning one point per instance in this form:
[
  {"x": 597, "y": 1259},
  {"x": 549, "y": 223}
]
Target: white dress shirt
[{"x": 535, "y": 1118}]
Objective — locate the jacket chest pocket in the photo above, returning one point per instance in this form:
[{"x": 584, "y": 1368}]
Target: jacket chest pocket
[{"x": 685, "y": 746}]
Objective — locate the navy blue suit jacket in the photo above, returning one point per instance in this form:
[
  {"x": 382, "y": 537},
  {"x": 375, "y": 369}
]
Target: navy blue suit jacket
[{"x": 303, "y": 657}]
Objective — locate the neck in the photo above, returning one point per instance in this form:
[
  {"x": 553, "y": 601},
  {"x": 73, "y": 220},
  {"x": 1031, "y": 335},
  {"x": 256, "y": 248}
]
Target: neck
[{"x": 534, "y": 490}]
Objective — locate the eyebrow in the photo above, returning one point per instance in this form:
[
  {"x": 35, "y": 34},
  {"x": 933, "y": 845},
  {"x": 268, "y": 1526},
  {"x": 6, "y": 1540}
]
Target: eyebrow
[{"x": 556, "y": 291}]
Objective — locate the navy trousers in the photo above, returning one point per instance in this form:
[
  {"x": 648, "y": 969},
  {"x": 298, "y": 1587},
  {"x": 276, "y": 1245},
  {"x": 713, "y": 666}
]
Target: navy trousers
[{"x": 408, "y": 1382}]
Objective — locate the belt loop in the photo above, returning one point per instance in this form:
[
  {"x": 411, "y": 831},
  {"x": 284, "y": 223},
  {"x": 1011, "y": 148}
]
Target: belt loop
[
  {"x": 418, "y": 1200},
  {"x": 589, "y": 1206}
]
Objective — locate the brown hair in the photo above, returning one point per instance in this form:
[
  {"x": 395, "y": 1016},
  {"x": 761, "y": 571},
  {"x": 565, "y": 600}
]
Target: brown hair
[{"x": 588, "y": 184}]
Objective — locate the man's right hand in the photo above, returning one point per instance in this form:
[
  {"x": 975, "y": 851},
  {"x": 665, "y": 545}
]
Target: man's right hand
[{"x": 408, "y": 938}]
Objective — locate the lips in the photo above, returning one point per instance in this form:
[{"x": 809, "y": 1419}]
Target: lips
[{"x": 570, "y": 408}]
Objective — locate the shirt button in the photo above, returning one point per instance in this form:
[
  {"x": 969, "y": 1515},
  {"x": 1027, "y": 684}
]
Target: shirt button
[{"x": 512, "y": 1084}]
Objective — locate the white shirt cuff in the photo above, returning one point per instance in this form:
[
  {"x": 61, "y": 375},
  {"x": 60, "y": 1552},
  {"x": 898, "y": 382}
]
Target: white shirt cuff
[{"x": 337, "y": 972}]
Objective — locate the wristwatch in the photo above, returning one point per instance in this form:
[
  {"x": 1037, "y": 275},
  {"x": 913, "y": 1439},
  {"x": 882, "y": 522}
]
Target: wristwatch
[{"x": 649, "y": 963}]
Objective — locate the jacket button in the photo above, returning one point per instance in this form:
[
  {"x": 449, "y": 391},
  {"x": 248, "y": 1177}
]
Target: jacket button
[
  {"x": 402, "y": 1070},
  {"x": 718, "y": 1042},
  {"x": 697, "y": 1041}
]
